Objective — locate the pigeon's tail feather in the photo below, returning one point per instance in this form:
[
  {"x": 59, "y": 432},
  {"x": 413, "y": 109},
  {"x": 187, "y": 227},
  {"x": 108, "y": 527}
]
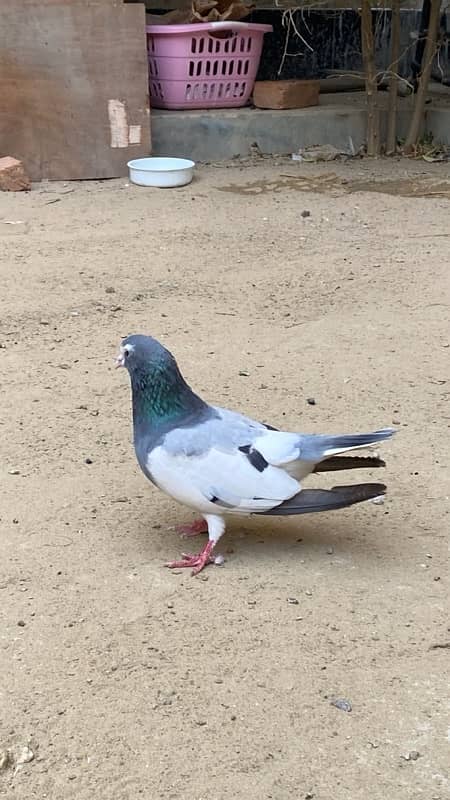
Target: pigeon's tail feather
[
  {"x": 309, "y": 501},
  {"x": 335, "y": 463},
  {"x": 316, "y": 447}
]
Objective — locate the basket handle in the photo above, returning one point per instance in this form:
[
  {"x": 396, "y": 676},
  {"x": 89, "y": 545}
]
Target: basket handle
[{"x": 228, "y": 26}]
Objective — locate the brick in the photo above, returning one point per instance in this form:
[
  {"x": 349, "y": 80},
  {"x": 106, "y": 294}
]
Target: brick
[
  {"x": 13, "y": 177},
  {"x": 286, "y": 94}
]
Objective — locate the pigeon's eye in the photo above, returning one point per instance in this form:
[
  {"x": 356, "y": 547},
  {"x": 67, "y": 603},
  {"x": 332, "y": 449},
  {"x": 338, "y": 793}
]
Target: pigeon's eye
[{"x": 126, "y": 352}]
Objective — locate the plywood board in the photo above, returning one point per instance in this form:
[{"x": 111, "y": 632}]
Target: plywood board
[
  {"x": 282, "y": 5},
  {"x": 73, "y": 86}
]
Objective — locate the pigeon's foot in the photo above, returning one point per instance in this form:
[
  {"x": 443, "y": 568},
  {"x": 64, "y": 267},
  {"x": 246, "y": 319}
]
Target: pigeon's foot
[
  {"x": 195, "y": 560},
  {"x": 197, "y": 527}
]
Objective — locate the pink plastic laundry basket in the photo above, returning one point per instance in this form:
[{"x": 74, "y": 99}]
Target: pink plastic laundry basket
[{"x": 206, "y": 65}]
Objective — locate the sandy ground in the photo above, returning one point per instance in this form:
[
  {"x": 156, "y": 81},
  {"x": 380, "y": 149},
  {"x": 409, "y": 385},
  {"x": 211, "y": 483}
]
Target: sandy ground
[{"x": 120, "y": 679}]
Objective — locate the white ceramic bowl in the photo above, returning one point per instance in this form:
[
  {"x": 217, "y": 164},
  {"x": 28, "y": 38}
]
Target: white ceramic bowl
[{"x": 161, "y": 172}]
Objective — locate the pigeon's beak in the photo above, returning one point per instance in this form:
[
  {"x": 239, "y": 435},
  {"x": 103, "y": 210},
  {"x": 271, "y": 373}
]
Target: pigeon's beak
[{"x": 120, "y": 359}]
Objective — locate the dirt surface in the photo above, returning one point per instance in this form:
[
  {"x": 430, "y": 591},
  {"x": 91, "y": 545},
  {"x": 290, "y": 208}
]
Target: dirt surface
[{"x": 120, "y": 679}]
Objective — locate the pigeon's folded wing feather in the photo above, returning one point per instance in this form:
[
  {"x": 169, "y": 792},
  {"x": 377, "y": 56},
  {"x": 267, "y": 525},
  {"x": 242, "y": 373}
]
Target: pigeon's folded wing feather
[
  {"x": 299, "y": 454},
  {"x": 278, "y": 447},
  {"x": 221, "y": 480}
]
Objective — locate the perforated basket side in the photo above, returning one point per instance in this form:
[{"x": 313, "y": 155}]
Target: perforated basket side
[
  {"x": 200, "y": 94},
  {"x": 199, "y": 66}
]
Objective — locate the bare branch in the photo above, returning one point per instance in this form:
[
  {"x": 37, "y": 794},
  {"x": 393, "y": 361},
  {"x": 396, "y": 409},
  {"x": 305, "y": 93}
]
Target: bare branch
[
  {"x": 368, "y": 54},
  {"x": 391, "y": 142},
  {"x": 428, "y": 57}
]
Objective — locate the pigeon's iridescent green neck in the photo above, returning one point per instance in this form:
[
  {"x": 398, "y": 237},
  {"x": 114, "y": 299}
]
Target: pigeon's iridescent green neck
[{"x": 161, "y": 395}]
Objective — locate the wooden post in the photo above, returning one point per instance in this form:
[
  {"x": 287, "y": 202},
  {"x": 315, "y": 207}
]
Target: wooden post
[
  {"x": 391, "y": 141},
  {"x": 368, "y": 55},
  {"x": 428, "y": 56}
]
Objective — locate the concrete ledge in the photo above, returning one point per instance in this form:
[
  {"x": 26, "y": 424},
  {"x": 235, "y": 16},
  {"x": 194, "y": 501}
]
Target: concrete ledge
[
  {"x": 221, "y": 134},
  {"x": 438, "y": 123}
]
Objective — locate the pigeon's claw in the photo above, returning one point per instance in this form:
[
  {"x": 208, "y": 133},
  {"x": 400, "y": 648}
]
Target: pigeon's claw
[
  {"x": 195, "y": 560},
  {"x": 197, "y": 527}
]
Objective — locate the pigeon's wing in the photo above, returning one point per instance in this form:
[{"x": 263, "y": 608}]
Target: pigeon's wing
[
  {"x": 282, "y": 448},
  {"x": 299, "y": 454},
  {"x": 214, "y": 467}
]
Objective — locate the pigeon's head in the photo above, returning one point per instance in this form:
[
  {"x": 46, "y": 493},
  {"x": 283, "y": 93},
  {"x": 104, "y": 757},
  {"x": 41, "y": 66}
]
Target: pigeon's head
[
  {"x": 159, "y": 390},
  {"x": 140, "y": 353}
]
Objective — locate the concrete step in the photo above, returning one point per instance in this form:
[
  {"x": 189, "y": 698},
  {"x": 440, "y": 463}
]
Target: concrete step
[{"x": 222, "y": 134}]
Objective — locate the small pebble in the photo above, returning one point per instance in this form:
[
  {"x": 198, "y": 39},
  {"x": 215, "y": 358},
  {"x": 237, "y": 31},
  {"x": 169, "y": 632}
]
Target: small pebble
[
  {"x": 292, "y": 601},
  {"x": 14, "y": 471},
  {"x": 413, "y": 755},
  {"x": 21, "y": 623},
  {"x": 330, "y": 551},
  {"x": 305, "y": 214},
  {"x": 4, "y": 759},
  {"x": 110, "y": 290},
  {"x": 25, "y": 756},
  {"x": 88, "y": 461},
  {"x": 308, "y": 593},
  {"x": 311, "y": 401},
  {"x": 342, "y": 704}
]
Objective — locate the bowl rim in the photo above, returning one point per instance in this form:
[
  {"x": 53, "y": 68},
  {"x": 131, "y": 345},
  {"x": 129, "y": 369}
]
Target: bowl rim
[{"x": 183, "y": 164}]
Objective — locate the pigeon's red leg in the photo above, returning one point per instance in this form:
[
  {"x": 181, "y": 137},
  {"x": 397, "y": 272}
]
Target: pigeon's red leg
[
  {"x": 197, "y": 527},
  {"x": 196, "y": 561}
]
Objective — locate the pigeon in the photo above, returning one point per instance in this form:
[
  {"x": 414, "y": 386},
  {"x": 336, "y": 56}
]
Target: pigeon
[{"x": 219, "y": 462}]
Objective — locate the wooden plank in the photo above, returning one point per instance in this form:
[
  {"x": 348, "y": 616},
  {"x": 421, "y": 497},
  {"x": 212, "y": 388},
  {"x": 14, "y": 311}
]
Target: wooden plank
[
  {"x": 73, "y": 86},
  {"x": 284, "y": 5},
  {"x": 328, "y": 5}
]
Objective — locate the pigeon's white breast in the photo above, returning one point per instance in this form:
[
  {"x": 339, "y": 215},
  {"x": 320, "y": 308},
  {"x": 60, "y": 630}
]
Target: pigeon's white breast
[{"x": 171, "y": 475}]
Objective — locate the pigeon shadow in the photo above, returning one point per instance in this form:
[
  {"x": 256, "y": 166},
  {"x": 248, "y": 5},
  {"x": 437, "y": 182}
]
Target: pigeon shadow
[{"x": 357, "y": 536}]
